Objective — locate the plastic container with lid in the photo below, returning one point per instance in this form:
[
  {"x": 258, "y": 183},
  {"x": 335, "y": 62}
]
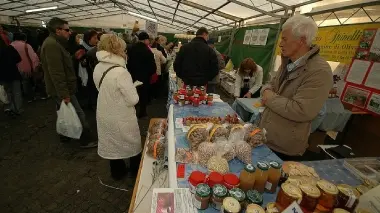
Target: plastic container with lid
[
  {"x": 214, "y": 178},
  {"x": 329, "y": 193},
  {"x": 247, "y": 177},
  {"x": 287, "y": 195},
  {"x": 230, "y": 205},
  {"x": 274, "y": 175},
  {"x": 196, "y": 178},
  {"x": 310, "y": 195},
  {"x": 254, "y": 208},
  {"x": 231, "y": 181},
  {"x": 254, "y": 197},
  {"x": 219, "y": 192},
  {"x": 238, "y": 194},
  {"x": 348, "y": 197},
  {"x": 261, "y": 176},
  {"x": 202, "y": 196},
  {"x": 271, "y": 208}
]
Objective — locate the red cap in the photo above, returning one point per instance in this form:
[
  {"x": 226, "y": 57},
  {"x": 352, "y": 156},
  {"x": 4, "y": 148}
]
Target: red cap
[
  {"x": 231, "y": 180},
  {"x": 197, "y": 177},
  {"x": 215, "y": 178}
]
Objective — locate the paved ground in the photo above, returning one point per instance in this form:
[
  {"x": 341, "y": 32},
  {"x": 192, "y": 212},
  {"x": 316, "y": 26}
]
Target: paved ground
[{"x": 39, "y": 174}]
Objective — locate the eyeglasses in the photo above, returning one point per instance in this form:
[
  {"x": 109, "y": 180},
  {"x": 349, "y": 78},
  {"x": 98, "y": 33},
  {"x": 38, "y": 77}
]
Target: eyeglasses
[{"x": 67, "y": 30}]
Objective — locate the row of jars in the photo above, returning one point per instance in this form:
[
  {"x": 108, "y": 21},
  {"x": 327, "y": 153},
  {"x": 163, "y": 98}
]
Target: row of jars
[
  {"x": 194, "y": 96},
  {"x": 322, "y": 197}
]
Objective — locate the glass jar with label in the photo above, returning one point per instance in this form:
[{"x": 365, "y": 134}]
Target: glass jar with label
[
  {"x": 310, "y": 195},
  {"x": 348, "y": 197},
  {"x": 238, "y": 194},
  {"x": 329, "y": 193},
  {"x": 230, "y": 205},
  {"x": 261, "y": 176},
  {"x": 254, "y": 208},
  {"x": 274, "y": 175},
  {"x": 202, "y": 196},
  {"x": 219, "y": 192},
  {"x": 287, "y": 195},
  {"x": 254, "y": 197},
  {"x": 247, "y": 177}
]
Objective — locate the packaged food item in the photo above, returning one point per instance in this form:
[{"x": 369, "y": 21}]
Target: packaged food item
[
  {"x": 156, "y": 148},
  {"x": 219, "y": 192},
  {"x": 238, "y": 194},
  {"x": 329, "y": 193},
  {"x": 226, "y": 147},
  {"x": 214, "y": 178},
  {"x": 274, "y": 175},
  {"x": 181, "y": 97},
  {"x": 202, "y": 196},
  {"x": 287, "y": 195},
  {"x": 255, "y": 136},
  {"x": 247, "y": 177},
  {"x": 254, "y": 208},
  {"x": 175, "y": 97},
  {"x": 158, "y": 127},
  {"x": 231, "y": 181},
  {"x": 205, "y": 151},
  {"x": 310, "y": 196},
  {"x": 231, "y": 119},
  {"x": 348, "y": 197},
  {"x": 196, "y": 102},
  {"x": 195, "y": 178},
  {"x": 254, "y": 197},
  {"x": 189, "y": 91},
  {"x": 261, "y": 176},
  {"x": 155, "y": 136},
  {"x": 197, "y": 134},
  {"x": 218, "y": 164},
  {"x": 271, "y": 208},
  {"x": 230, "y": 205},
  {"x": 217, "y": 131},
  {"x": 294, "y": 181},
  {"x": 236, "y": 131},
  {"x": 210, "y": 98},
  {"x": 243, "y": 152},
  {"x": 203, "y": 90}
]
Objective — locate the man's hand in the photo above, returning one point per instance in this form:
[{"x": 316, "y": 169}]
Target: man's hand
[
  {"x": 267, "y": 94},
  {"x": 66, "y": 100},
  {"x": 247, "y": 95}
]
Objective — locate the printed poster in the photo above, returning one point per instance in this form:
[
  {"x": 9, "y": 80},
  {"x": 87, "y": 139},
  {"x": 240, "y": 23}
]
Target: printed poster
[
  {"x": 263, "y": 36},
  {"x": 373, "y": 79},
  {"x": 356, "y": 96},
  {"x": 374, "y": 53},
  {"x": 151, "y": 28},
  {"x": 254, "y": 37},
  {"x": 247, "y": 37},
  {"x": 358, "y": 71},
  {"x": 374, "y": 103}
]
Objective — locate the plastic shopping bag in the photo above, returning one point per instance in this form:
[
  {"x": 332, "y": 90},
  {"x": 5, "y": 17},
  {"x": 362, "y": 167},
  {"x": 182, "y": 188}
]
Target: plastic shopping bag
[
  {"x": 82, "y": 73},
  {"x": 3, "y": 95},
  {"x": 68, "y": 123}
]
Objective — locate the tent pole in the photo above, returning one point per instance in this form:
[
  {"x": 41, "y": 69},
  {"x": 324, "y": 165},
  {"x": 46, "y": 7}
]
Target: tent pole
[{"x": 232, "y": 38}]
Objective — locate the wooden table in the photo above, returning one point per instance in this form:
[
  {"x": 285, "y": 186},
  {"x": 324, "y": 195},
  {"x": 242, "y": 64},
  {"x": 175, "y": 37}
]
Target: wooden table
[{"x": 143, "y": 181}]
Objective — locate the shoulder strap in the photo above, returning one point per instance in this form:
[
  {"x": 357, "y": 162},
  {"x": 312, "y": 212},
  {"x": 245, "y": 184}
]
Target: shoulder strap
[
  {"x": 28, "y": 56},
  {"x": 105, "y": 73}
]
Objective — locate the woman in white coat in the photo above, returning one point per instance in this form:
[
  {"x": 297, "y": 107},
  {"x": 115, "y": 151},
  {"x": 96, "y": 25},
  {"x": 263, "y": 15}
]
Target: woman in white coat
[
  {"x": 118, "y": 130},
  {"x": 249, "y": 79}
]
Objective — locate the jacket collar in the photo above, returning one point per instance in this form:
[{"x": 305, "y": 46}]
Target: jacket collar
[
  {"x": 59, "y": 39},
  {"x": 107, "y": 57},
  {"x": 199, "y": 39}
]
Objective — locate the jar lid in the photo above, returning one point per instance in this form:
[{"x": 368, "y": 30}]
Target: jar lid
[
  {"x": 203, "y": 190},
  {"x": 275, "y": 164},
  {"x": 230, "y": 204},
  {"x": 338, "y": 210},
  {"x": 291, "y": 190},
  {"x": 197, "y": 177},
  {"x": 219, "y": 190},
  {"x": 271, "y": 207},
  {"x": 253, "y": 196},
  {"x": 238, "y": 194},
  {"x": 231, "y": 179},
  {"x": 250, "y": 168},
  {"x": 310, "y": 190},
  {"x": 262, "y": 165},
  {"x": 254, "y": 208},
  {"x": 294, "y": 181},
  {"x": 327, "y": 187},
  {"x": 348, "y": 190},
  {"x": 215, "y": 177}
]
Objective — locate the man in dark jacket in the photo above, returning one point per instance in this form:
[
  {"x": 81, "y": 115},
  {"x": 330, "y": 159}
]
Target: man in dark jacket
[
  {"x": 142, "y": 66},
  {"x": 196, "y": 63},
  {"x": 61, "y": 82}
]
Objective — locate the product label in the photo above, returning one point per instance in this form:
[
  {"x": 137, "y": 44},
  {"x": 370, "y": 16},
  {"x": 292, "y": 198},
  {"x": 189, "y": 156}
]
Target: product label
[
  {"x": 197, "y": 203},
  {"x": 181, "y": 96},
  {"x": 268, "y": 186},
  {"x": 196, "y": 95},
  {"x": 351, "y": 201}
]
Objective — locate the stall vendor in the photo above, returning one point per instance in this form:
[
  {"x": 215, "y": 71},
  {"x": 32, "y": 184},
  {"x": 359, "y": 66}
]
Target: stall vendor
[
  {"x": 249, "y": 79},
  {"x": 297, "y": 93}
]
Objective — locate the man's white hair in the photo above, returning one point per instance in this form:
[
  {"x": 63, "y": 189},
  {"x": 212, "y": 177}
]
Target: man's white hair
[{"x": 302, "y": 26}]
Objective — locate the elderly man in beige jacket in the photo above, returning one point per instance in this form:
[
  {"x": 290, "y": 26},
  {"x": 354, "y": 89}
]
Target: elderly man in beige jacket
[{"x": 297, "y": 93}]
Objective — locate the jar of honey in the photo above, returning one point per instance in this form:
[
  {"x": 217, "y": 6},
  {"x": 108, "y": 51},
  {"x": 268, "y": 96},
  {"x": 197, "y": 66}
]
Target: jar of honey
[
  {"x": 274, "y": 175},
  {"x": 247, "y": 177},
  {"x": 261, "y": 176},
  {"x": 254, "y": 197},
  {"x": 219, "y": 192},
  {"x": 310, "y": 195},
  {"x": 202, "y": 196},
  {"x": 287, "y": 195},
  {"x": 254, "y": 208},
  {"x": 348, "y": 197},
  {"x": 329, "y": 193},
  {"x": 230, "y": 205}
]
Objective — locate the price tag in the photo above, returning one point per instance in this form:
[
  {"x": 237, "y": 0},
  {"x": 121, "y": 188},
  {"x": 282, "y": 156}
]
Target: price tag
[
  {"x": 293, "y": 208},
  {"x": 181, "y": 171}
]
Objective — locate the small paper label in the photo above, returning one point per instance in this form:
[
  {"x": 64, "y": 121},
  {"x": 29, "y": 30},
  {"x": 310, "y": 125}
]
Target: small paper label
[
  {"x": 181, "y": 171},
  {"x": 185, "y": 128},
  {"x": 181, "y": 96},
  {"x": 293, "y": 208},
  {"x": 268, "y": 186},
  {"x": 351, "y": 201}
]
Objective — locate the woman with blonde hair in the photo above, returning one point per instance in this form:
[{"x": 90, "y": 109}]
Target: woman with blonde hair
[
  {"x": 249, "y": 79},
  {"x": 118, "y": 130}
]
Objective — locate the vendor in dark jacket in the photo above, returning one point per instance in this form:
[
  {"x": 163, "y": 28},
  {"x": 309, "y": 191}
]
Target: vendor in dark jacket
[
  {"x": 141, "y": 65},
  {"x": 196, "y": 63}
]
